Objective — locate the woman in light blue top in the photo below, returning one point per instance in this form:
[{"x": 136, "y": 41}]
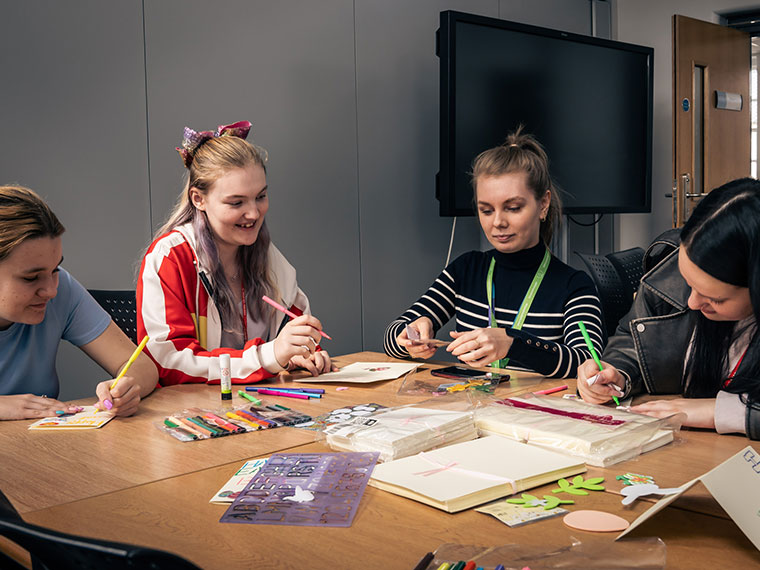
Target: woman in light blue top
[{"x": 40, "y": 304}]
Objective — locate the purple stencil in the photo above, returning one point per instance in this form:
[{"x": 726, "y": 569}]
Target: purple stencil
[{"x": 336, "y": 480}]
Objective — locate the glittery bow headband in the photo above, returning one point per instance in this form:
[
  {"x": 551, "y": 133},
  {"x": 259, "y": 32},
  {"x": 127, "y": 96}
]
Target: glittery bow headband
[{"x": 193, "y": 140}]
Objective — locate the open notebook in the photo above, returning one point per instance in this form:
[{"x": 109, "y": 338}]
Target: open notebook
[{"x": 465, "y": 475}]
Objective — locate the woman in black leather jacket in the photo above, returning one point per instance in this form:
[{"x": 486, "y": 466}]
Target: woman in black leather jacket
[{"x": 692, "y": 329}]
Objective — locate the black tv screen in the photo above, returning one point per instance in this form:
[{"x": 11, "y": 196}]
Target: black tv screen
[{"x": 587, "y": 100}]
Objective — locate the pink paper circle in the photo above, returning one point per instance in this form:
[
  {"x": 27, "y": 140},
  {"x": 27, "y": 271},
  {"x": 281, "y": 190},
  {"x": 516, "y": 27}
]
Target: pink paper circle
[{"x": 595, "y": 521}]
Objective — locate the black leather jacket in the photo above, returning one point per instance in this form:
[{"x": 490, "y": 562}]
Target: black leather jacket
[{"x": 651, "y": 341}]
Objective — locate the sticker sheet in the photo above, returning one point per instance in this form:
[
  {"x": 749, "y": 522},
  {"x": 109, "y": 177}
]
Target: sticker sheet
[
  {"x": 518, "y": 515},
  {"x": 304, "y": 489},
  {"x": 323, "y": 421}
]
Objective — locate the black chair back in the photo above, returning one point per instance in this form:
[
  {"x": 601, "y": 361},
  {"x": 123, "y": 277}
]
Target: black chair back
[
  {"x": 615, "y": 302},
  {"x": 629, "y": 265},
  {"x": 52, "y": 550},
  {"x": 122, "y": 306}
]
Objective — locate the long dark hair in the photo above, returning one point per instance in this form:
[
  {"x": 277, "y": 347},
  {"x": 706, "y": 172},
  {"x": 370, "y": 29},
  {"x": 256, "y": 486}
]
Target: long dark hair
[{"x": 722, "y": 237}]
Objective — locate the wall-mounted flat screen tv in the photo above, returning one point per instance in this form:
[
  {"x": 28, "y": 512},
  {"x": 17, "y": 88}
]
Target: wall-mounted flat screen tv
[{"x": 587, "y": 100}]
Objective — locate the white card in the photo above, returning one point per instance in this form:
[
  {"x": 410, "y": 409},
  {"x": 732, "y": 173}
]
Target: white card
[{"x": 735, "y": 484}]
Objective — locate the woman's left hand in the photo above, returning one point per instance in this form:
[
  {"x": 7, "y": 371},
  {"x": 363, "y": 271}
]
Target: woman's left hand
[
  {"x": 700, "y": 412},
  {"x": 124, "y": 398},
  {"x": 316, "y": 363},
  {"x": 480, "y": 347}
]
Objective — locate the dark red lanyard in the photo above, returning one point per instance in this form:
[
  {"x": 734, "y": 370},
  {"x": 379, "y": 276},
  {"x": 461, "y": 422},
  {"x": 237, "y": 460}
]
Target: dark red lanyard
[
  {"x": 736, "y": 368},
  {"x": 245, "y": 314}
]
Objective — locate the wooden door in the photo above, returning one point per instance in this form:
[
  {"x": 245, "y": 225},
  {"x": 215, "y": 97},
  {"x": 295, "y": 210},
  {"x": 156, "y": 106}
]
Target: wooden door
[{"x": 710, "y": 145}]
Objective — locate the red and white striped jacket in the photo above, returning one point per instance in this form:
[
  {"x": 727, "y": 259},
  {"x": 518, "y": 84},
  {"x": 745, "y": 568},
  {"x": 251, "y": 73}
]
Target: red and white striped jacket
[{"x": 183, "y": 323}]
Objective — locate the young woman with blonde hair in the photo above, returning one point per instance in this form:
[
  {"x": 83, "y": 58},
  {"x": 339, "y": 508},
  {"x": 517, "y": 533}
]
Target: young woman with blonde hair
[
  {"x": 515, "y": 305},
  {"x": 201, "y": 283}
]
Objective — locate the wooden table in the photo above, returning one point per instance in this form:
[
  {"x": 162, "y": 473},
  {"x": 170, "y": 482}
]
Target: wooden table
[{"x": 130, "y": 483}]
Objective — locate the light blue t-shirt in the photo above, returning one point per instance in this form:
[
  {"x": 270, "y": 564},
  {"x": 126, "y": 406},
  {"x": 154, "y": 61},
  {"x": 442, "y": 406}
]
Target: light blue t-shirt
[{"x": 27, "y": 352}]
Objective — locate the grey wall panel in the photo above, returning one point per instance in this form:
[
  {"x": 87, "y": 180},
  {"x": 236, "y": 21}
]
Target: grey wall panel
[
  {"x": 403, "y": 240},
  {"x": 566, "y": 15},
  {"x": 73, "y": 125},
  {"x": 288, "y": 67}
]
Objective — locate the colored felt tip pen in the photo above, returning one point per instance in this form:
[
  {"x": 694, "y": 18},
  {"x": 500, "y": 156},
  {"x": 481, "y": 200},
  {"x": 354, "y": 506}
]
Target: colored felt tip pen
[
  {"x": 248, "y": 397},
  {"x": 225, "y": 376},
  {"x": 551, "y": 390},
  {"x": 424, "y": 561},
  {"x": 272, "y": 391},
  {"x": 282, "y": 389},
  {"x": 282, "y": 394},
  {"x": 131, "y": 360},
  {"x": 594, "y": 355},
  {"x": 291, "y": 314}
]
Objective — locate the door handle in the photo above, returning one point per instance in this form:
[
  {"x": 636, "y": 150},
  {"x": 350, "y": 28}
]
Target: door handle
[{"x": 686, "y": 184}]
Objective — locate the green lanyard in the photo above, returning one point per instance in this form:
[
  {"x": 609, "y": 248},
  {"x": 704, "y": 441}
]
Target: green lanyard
[{"x": 524, "y": 306}]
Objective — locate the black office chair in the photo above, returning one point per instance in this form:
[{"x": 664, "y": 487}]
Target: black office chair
[
  {"x": 612, "y": 294},
  {"x": 122, "y": 306},
  {"x": 52, "y": 550},
  {"x": 629, "y": 265}
]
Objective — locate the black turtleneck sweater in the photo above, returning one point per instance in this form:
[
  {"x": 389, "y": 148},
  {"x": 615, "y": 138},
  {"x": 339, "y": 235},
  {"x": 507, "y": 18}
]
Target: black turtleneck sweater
[{"x": 549, "y": 342}]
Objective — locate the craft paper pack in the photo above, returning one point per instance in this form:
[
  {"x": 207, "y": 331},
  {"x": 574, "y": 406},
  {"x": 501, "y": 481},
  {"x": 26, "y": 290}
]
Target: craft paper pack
[
  {"x": 238, "y": 482},
  {"x": 335, "y": 480},
  {"x": 601, "y": 436},
  {"x": 365, "y": 372},
  {"x": 398, "y": 432},
  {"x": 88, "y": 418},
  {"x": 735, "y": 484}
]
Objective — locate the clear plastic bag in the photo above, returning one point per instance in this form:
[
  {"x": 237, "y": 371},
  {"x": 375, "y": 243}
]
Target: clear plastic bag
[
  {"x": 406, "y": 430},
  {"x": 602, "y": 436},
  {"x": 645, "y": 553}
]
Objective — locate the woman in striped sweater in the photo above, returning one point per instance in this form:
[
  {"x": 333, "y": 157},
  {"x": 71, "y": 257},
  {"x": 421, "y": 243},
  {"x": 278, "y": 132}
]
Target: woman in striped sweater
[{"x": 515, "y": 305}]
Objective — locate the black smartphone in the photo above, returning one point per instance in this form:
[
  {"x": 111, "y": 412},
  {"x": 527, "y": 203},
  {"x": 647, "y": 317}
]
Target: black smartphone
[{"x": 462, "y": 373}]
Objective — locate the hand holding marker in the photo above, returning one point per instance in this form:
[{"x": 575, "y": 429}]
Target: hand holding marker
[
  {"x": 107, "y": 403},
  {"x": 291, "y": 314},
  {"x": 590, "y": 381}
]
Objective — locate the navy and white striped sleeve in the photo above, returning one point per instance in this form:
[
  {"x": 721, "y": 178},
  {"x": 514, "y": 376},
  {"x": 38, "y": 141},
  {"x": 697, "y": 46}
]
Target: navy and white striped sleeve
[
  {"x": 561, "y": 359},
  {"x": 437, "y": 304}
]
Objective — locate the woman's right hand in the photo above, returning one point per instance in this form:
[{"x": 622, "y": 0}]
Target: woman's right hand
[
  {"x": 29, "y": 406},
  {"x": 418, "y": 348},
  {"x": 598, "y": 387},
  {"x": 299, "y": 337}
]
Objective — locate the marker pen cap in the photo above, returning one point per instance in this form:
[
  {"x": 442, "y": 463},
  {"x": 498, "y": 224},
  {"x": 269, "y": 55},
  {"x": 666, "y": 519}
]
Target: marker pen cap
[{"x": 226, "y": 377}]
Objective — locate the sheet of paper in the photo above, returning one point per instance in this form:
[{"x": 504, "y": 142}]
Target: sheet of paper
[
  {"x": 86, "y": 419},
  {"x": 237, "y": 483},
  {"x": 735, "y": 484},
  {"x": 365, "y": 372}
]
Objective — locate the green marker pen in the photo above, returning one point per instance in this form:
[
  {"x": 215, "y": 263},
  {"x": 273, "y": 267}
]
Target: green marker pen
[
  {"x": 248, "y": 397},
  {"x": 594, "y": 355}
]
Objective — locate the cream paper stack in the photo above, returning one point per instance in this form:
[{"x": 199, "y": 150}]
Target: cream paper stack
[
  {"x": 599, "y": 435},
  {"x": 399, "y": 432}
]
